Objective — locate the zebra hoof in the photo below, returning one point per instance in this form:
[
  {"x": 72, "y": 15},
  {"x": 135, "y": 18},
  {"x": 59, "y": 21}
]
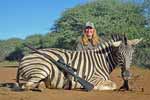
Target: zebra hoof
[{"x": 17, "y": 88}]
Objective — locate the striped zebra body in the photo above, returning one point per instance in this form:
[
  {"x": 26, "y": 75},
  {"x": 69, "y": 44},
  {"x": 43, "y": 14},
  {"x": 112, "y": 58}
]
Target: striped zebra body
[{"x": 94, "y": 66}]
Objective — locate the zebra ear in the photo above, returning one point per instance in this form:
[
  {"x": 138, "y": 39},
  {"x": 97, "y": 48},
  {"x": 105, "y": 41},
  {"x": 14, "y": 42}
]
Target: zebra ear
[
  {"x": 117, "y": 44},
  {"x": 125, "y": 39},
  {"x": 134, "y": 41}
]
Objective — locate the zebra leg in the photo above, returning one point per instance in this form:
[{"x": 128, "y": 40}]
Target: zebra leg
[
  {"x": 47, "y": 82},
  {"x": 106, "y": 85},
  {"x": 30, "y": 85},
  {"x": 67, "y": 82}
]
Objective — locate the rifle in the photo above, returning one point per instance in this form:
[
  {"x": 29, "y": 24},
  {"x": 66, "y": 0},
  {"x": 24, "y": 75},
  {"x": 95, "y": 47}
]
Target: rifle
[{"x": 66, "y": 68}]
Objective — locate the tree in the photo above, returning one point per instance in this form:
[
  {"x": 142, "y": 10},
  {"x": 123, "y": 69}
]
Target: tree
[
  {"x": 9, "y": 46},
  {"x": 49, "y": 40},
  {"x": 109, "y": 16},
  {"x": 146, "y": 8}
]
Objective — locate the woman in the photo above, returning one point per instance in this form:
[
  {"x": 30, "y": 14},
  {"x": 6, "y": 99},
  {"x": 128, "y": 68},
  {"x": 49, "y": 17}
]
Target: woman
[{"x": 89, "y": 39}]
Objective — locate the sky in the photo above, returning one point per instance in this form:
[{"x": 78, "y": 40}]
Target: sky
[{"x": 22, "y": 18}]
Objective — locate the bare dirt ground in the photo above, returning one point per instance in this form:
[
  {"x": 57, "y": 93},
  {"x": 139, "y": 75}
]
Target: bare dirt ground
[{"x": 140, "y": 84}]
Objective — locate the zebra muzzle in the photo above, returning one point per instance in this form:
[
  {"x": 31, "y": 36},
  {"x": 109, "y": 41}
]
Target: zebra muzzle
[
  {"x": 125, "y": 86},
  {"x": 126, "y": 75}
]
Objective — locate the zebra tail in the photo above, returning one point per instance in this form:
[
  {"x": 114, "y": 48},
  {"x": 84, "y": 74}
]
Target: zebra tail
[
  {"x": 18, "y": 75},
  {"x": 17, "y": 86}
]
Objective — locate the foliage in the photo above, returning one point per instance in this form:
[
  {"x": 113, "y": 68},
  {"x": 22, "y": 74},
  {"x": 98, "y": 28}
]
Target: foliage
[
  {"x": 109, "y": 16},
  {"x": 146, "y": 7},
  {"x": 9, "y": 46}
]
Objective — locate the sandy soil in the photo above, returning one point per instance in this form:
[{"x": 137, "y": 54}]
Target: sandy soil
[{"x": 140, "y": 84}]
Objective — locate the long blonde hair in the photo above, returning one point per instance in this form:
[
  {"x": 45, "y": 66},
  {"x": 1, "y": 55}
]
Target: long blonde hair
[{"x": 95, "y": 39}]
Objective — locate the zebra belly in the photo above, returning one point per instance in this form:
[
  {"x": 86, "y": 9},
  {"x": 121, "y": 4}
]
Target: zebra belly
[
  {"x": 34, "y": 73},
  {"x": 57, "y": 79}
]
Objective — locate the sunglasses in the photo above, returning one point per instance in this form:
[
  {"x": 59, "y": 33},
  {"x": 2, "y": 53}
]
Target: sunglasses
[{"x": 88, "y": 27}]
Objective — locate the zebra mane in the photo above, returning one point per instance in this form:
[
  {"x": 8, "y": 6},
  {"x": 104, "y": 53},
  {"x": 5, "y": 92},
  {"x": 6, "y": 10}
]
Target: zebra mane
[
  {"x": 119, "y": 37},
  {"x": 107, "y": 42},
  {"x": 114, "y": 38}
]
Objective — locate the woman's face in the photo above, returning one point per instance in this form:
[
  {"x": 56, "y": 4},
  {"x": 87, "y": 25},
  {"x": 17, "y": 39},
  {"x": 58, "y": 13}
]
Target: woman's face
[{"x": 89, "y": 32}]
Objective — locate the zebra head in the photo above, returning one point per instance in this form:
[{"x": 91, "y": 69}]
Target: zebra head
[{"x": 124, "y": 50}]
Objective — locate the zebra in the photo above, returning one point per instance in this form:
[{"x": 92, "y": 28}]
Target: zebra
[{"x": 93, "y": 65}]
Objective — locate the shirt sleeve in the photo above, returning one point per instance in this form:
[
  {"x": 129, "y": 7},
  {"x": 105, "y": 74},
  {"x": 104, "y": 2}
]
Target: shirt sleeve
[{"x": 78, "y": 45}]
